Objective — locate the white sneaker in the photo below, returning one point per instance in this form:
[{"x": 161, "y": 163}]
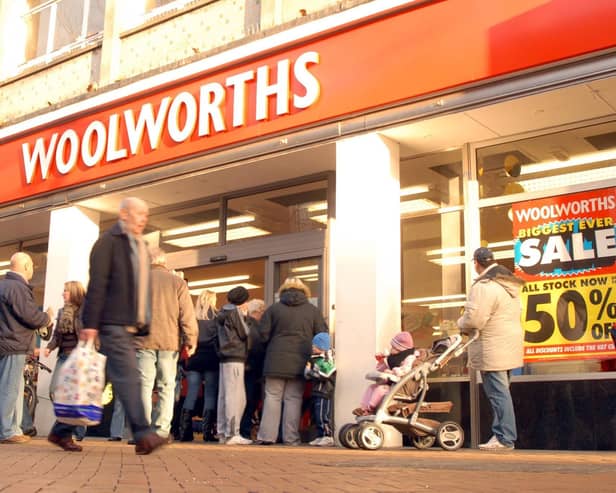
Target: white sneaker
[
  {"x": 494, "y": 444},
  {"x": 326, "y": 442},
  {"x": 238, "y": 440}
]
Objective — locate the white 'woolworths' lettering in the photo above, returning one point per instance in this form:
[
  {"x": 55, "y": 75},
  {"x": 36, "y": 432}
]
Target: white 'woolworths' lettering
[{"x": 179, "y": 116}]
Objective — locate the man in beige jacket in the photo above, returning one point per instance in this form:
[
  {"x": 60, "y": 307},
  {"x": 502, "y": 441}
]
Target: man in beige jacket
[
  {"x": 173, "y": 328},
  {"x": 493, "y": 307}
]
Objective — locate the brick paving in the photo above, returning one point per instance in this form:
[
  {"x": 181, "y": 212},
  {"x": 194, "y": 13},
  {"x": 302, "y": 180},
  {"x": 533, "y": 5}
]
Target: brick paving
[{"x": 197, "y": 467}]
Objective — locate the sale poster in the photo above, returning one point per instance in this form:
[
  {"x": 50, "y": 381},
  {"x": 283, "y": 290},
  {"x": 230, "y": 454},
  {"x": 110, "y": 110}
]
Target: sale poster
[{"x": 565, "y": 250}]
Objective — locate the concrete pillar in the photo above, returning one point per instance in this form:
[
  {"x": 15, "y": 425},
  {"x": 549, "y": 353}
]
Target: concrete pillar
[
  {"x": 365, "y": 253},
  {"x": 72, "y": 232}
]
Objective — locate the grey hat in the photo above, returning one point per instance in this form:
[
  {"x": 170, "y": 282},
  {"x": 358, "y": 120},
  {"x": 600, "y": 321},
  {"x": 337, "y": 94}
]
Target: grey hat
[{"x": 483, "y": 256}]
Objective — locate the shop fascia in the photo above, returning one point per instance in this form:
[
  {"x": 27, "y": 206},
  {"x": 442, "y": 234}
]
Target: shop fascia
[{"x": 177, "y": 116}]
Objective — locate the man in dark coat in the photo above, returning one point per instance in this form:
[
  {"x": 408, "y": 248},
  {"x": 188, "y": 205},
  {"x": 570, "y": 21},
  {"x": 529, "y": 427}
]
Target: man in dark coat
[
  {"x": 19, "y": 318},
  {"x": 118, "y": 307}
]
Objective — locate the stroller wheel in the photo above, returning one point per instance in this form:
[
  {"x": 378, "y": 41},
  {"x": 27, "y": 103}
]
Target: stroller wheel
[
  {"x": 423, "y": 442},
  {"x": 370, "y": 436},
  {"x": 348, "y": 435},
  {"x": 450, "y": 435}
]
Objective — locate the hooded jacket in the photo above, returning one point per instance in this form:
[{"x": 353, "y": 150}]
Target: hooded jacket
[
  {"x": 287, "y": 328},
  {"x": 493, "y": 307},
  {"x": 232, "y": 334},
  {"x": 19, "y": 315}
]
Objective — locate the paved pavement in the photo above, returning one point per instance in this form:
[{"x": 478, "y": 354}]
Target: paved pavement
[{"x": 186, "y": 467}]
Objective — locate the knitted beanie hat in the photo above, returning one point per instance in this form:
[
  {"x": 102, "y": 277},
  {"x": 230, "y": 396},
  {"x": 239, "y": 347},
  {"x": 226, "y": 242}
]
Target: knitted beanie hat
[
  {"x": 238, "y": 295},
  {"x": 321, "y": 340},
  {"x": 402, "y": 341}
]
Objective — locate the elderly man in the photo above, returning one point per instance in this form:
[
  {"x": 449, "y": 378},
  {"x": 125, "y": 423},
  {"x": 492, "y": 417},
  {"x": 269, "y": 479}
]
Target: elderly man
[
  {"x": 118, "y": 307},
  {"x": 173, "y": 325},
  {"x": 19, "y": 318},
  {"x": 493, "y": 307}
]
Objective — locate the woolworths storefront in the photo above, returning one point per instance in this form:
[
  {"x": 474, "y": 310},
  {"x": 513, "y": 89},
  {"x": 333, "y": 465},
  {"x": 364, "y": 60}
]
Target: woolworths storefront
[{"x": 369, "y": 152}]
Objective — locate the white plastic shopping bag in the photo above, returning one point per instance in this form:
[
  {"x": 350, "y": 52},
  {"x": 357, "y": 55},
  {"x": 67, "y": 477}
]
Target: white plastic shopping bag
[{"x": 79, "y": 387}]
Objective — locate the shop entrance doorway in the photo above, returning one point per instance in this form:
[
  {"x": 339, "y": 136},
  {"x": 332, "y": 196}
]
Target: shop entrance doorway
[
  {"x": 221, "y": 278},
  {"x": 262, "y": 277}
]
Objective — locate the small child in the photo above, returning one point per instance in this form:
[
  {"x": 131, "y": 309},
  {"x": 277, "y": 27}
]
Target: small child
[
  {"x": 398, "y": 362},
  {"x": 321, "y": 369}
]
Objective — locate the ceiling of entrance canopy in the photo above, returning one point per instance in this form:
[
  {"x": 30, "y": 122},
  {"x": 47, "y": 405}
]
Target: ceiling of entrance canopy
[{"x": 577, "y": 103}]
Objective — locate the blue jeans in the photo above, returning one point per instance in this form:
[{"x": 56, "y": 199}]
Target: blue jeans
[
  {"x": 11, "y": 394},
  {"x": 210, "y": 389},
  {"x": 117, "y": 344},
  {"x": 496, "y": 388},
  {"x": 158, "y": 367},
  {"x": 118, "y": 420},
  {"x": 321, "y": 412}
]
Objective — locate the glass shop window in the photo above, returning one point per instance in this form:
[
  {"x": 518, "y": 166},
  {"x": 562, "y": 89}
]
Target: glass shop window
[
  {"x": 287, "y": 210},
  {"x": 433, "y": 260},
  {"x": 547, "y": 162}
]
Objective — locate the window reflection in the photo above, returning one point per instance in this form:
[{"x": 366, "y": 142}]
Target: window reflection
[
  {"x": 433, "y": 262},
  {"x": 547, "y": 162},
  {"x": 286, "y": 210}
]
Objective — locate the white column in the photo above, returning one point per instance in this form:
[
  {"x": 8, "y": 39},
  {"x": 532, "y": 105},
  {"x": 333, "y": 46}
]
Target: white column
[
  {"x": 72, "y": 232},
  {"x": 366, "y": 261}
]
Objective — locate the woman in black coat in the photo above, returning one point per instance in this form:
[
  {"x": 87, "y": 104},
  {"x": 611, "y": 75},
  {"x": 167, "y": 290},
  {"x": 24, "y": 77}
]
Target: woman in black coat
[{"x": 287, "y": 328}]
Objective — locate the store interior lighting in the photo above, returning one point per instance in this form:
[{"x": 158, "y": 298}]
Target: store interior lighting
[
  {"x": 417, "y": 205},
  {"x": 223, "y": 288},
  {"x": 305, "y": 268},
  {"x": 458, "y": 257},
  {"x": 210, "y": 238},
  {"x": 425, "y": 301},
  {"x": 414, "y": 190},
  {"x": 568, "y": 179},
  {"x": 193, "y": 228},
  {"x": 218, "y": 280},
  {"x": 579, "y": 160}
]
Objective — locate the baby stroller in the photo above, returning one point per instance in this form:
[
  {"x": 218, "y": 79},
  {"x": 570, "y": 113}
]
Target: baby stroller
[{"x": 404, "y": 406}]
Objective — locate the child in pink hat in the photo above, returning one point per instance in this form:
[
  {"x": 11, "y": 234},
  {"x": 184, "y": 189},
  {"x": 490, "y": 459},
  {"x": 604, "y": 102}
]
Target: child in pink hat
[{"x": 397, "y": 362}]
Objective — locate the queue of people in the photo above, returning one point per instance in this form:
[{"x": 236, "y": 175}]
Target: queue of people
[{"x": 140, "y": 316}]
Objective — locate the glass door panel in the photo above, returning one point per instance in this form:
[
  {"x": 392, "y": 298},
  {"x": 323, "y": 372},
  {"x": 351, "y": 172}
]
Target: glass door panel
[{"x": 308, "y": 270}]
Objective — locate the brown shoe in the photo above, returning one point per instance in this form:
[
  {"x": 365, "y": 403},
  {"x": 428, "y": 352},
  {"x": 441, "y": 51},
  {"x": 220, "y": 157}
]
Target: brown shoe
[
  {"x": 149, "y": 443},
  {"x": 16, "y": 439},
  {"x": 65, "y": 443}
]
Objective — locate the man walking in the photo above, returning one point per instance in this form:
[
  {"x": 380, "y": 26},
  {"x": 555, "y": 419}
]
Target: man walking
[
  {"x": 493, "y": 307},
  {"x": 118, "y": 307},
  {"x": 173, "y": 327},
  {"x": 19, "y": 318}
]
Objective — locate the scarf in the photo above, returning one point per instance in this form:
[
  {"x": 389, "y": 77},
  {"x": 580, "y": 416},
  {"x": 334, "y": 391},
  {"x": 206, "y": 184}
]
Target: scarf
[
  {"x": 66, "y": 324},
  {"x": 143, "y": 277}
]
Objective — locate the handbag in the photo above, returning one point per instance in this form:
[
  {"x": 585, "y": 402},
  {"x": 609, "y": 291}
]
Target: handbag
[{"x": 79, "y": 388}]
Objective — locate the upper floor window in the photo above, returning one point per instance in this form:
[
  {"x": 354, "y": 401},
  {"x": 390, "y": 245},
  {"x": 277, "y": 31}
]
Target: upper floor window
[
  {"x": 137, "y": 12},
  {"x": 51, "y": 26}
]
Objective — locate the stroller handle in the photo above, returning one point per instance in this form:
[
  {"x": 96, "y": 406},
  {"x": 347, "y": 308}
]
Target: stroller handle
[{"x": 471, "y": 336}]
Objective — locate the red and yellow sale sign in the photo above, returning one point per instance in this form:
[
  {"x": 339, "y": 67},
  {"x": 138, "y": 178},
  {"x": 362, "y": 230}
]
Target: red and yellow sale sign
[{"x": 565, "y": 250}]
